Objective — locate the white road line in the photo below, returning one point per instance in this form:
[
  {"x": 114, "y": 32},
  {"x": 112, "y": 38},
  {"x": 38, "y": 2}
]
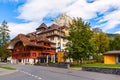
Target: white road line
[
  {"x": 35, "y": 76},
  {"x": 30, "y": 74},
  {"x": 39, "y": 78},
  {"x": 26, "y": 72}
]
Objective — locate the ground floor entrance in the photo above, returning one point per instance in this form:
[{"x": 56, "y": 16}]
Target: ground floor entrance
[
  {"x": 41, "y": 59},
  {"x": 46, "y": 59}
]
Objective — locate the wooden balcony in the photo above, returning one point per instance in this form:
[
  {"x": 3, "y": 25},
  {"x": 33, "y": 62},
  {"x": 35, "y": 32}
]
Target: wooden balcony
[
  {"x": 51, "y": 52},
  {"x": 16, "y": 52},
  {"x": 46, "y": 51},
  {"x": 53, "y": 46}
]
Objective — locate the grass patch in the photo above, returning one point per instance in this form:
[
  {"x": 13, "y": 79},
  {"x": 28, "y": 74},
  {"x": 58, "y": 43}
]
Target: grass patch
[
  {"x": 8, "y": 68},
  {"x": 75, "y": 66},
  {"x": 101, "y": 65}
]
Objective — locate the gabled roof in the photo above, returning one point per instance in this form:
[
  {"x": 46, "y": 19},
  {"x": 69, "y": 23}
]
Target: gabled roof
[
  {"x": 43, "y": 38},
  {"x": 64, "y": 26},
  {"x": 51, "y": 28},
  {"x": 54, "y": 26},
  {"x": 113, "y": 52},
  {"x": 43, "y": 25},
  {"x": 29, "y": 40}
]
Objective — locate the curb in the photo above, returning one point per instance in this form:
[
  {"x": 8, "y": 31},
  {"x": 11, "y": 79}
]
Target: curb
[
  {"x": 78, "y": 69},
  {"x": 9, "y": 72}
]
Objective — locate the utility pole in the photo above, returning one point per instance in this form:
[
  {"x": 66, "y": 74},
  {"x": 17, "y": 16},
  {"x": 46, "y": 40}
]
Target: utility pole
[
  {"x": 61, "y": 31},
  {"x": 60, "y": 39}
]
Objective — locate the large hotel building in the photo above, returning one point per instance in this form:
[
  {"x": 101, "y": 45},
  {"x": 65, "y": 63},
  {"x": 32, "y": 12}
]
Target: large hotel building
[{"x": 42, "y": 45}]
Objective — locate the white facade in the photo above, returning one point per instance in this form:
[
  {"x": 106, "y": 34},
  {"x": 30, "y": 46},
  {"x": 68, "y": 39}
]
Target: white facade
[
  {"x": 60, "y": 42},
  {"x": 23, "y": 61},
  {"x": 61, "y": 21}
]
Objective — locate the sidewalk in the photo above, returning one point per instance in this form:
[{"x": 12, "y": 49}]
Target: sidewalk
[
  {"x": 79, "y": 69},
  {"x": 5, "y": 72}
]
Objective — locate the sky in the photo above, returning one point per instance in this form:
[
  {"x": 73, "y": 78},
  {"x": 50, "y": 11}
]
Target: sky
[{"x": 24, "y": 16}]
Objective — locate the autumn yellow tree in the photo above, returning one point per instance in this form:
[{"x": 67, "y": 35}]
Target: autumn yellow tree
[{"x": 102, "y": 42}]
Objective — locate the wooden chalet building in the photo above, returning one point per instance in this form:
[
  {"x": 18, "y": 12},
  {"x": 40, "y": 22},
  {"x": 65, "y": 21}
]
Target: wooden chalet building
[
  {"x": 39, "y": 46},
  {"x": 54, "y": 33},
  {"x": 42, "y": 45},
  {"x": 32, "y": 48}
]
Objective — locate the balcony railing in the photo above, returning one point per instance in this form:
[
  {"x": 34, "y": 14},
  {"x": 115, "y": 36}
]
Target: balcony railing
[
  {"x": 46, "y": 51},
  {"x": 53, "y": 46},
  {"x": 21, "y": 51}
]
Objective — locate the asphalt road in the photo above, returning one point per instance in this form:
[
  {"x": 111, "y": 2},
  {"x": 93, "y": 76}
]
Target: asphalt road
[{"x": 30, "y": 72}]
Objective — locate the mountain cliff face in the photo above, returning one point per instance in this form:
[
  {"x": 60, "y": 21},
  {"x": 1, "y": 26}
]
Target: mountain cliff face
[
  {"x": 66, "y": 20},
  {"x": 63, "y": 20}
]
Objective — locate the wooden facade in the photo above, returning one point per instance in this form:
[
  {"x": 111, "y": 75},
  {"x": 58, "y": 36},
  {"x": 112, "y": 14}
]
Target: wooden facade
[
  {"x": 112, "y": 57},
  {"x": 39, "y": 46},
  {"x": 31, "y": 49},
  {"x": 54, "y": 33}
]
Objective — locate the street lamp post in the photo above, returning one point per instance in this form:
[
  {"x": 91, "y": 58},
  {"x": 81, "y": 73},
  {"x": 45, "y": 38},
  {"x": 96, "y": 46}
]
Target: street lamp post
[
  {"x": 61, "y": 31},
  {"x": 63, "y": 15},
  {"x": 60, "y": 39}
]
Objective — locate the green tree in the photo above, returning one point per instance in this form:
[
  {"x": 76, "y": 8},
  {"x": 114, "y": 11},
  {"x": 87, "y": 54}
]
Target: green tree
[
  {"x": 115, "y": 43},
  {"x": 111, "y": 44},
  {"x": 4, "y": 34},
  {"x": 4, "y": 53},
  {"x": 80, "y": 45},
  {"x": 4, "y": 40},
  {"x": 102, "y": 42}
]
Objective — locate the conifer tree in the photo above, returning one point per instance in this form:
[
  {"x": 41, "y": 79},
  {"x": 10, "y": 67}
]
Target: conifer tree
[
  {"x": 4, "y": 40},
  {"x": 4, "y": 34}
]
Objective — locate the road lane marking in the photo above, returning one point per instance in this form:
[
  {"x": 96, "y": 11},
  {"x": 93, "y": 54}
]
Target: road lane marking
[
  {"x": 30, "y": 74},
  {"x": 35, "y": 76},
  {"x": 39, "y": 78}
]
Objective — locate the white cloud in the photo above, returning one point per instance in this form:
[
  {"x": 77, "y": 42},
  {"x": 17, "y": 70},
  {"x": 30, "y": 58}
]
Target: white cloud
[
  {"x": 118, "y": 32},
  {"x": 112, "y": 20},
  {"x": 23, "y": 28},
  {"x": 88, "y": 11},
  {"x": 35, "y": 10},
  {"x": 80, "y": 8}
]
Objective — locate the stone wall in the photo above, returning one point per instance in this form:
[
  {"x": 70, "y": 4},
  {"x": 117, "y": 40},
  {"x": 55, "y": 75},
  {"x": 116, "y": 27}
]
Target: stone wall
[
  {"x": 59, "y": 65},
  {"x": 102, "y": 70}
]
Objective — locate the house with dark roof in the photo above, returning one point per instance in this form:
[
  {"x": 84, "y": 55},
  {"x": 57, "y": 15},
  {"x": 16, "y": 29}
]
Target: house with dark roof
[
  {"x": 42, "y": 44},
  {"x": 54, "y": 33},
  {"x": 32, "y": 49},
  {"x": 112, "y": 57}
]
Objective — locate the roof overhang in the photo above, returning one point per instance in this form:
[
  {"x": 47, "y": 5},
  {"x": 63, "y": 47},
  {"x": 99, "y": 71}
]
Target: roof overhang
[
  {"x": 113, "y": 52},
  {"x": 12, "y": 44}
]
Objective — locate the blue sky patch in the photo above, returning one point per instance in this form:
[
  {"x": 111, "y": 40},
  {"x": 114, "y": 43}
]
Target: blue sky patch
[
  {"x": 96, "y": 12},
  {"x": 90, "y": 1}
]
